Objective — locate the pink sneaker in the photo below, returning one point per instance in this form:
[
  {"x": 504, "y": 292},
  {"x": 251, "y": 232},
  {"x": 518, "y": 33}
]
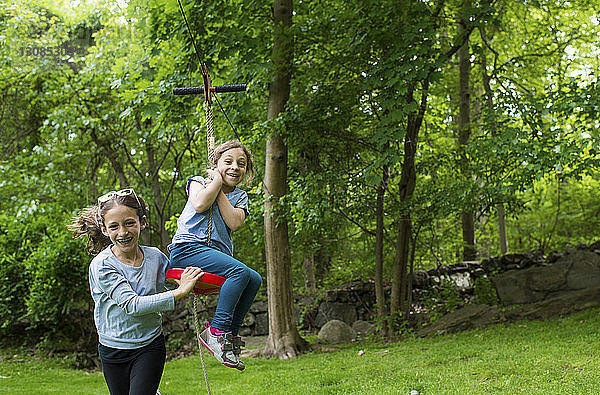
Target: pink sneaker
[{"x": 220, "y": 346}]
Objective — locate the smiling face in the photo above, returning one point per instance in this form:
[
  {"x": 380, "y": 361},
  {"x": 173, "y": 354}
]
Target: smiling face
[
  {"x": 123, "y": 226},
  {"x": 232, "y": 166}
]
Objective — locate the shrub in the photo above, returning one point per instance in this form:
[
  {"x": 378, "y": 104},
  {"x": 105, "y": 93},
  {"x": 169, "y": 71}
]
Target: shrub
[
  {"x": 43, "y": 279},
  {"x": 18, "y": 239},
  {"x": 59, "y": 281},
  {"x": 485, "y": 292}
]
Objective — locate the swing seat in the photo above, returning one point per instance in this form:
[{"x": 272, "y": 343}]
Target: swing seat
[{"x": 207, "y": 285}]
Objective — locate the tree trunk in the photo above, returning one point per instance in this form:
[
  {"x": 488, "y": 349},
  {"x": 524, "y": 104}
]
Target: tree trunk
[
  {"x": 284, "y": 341},
  {"x": 112, "y": 155},
  {"x": 159, "y": 217},
  {"x": 322, "y": 260},
  {"x": 411, "y": 271},
  {"x": 406, "y": 188},
  {"x": 502, "y": 228},
  {"x": 402, "y": 252},
  {"x": 490, "y": 104},
  {"x": 408, "y": 180},
  {"x": 308, "y": 269},
  {"x": 464, "y": 132},
  {"x": 468, "y": 234},
  {"x": 379, "y": 285}
]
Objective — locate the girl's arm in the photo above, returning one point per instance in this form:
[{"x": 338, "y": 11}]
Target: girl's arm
[
  {"x": 116, "y": 286},
  {"x": 233, "y": 216},
  {"x": 203, "y": 196}
]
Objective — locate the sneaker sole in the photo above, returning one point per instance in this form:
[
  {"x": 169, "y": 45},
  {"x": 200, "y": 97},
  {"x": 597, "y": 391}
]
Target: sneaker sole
[{"x": 213, "y": 354}]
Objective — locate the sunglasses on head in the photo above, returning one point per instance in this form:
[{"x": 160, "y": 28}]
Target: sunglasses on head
[{"x": 113, "y": 194}]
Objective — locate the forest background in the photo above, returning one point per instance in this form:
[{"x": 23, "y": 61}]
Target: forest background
[{"x": 411, "y": 134}]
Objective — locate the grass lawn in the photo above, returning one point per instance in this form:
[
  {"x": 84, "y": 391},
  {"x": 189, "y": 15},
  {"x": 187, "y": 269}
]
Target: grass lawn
[{"x": 560, "y": 356}]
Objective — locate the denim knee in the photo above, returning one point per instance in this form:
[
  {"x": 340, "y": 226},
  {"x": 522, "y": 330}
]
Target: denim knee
[
  {"x": 241, "y": 273},
  {"x": 255, "y": 279}
]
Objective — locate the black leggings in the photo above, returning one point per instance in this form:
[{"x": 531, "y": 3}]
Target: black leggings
[{"x": 133, "y": 372}]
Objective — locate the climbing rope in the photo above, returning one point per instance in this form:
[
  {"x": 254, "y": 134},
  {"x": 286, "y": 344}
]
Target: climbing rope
[
  {"x": 207, "y": 90},
  {"x": 210, "y": 138},
  {"x": 197, "y": 328},
  {"x": 210, "y": 141}
]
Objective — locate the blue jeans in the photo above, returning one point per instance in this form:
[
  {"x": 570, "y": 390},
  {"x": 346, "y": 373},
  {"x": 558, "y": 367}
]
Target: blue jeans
[{"x": 237, "y": 292}]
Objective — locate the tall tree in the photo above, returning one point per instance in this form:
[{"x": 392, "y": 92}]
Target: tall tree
[
  {"x": 284, "y": 341},
  {"x": 414, "y": 102},
  {"x": 379, "y": 243},
  {"x": 489, "y": 103},
  {"x": 464, "y": 127}
]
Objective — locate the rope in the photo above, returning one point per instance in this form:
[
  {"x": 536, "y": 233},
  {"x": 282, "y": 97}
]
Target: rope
[
  {"x": 210, "y": 136},
  {"x": 189, "y": 31},
  {"x": 197, "y": 327},
  {"x": 211, "y": 149},
  {"x": 210, "y": 142}
]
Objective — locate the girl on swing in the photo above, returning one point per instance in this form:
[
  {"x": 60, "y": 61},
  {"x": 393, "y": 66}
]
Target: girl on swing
[
  {"x": 127, "y": 285},
  {"x": 215, "y": 207}
]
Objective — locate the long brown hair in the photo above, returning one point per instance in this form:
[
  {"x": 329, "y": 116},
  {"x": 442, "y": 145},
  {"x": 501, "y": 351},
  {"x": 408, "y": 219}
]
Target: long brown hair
[{"x": 88, "y": 223}]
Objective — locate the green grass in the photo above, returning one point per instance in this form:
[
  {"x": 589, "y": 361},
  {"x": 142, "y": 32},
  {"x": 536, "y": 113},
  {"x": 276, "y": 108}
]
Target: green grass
[{"x": 560, "y": 356}]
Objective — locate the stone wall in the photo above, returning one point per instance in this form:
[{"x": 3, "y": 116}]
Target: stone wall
[
  {"x": 349, "y": 303},
  {"x": 519, "y": 279},
  {"x": 532, "y": 287}
]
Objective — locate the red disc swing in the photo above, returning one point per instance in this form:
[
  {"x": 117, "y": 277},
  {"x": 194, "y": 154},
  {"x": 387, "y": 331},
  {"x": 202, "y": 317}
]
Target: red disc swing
[{"x": 208, "y": 284}]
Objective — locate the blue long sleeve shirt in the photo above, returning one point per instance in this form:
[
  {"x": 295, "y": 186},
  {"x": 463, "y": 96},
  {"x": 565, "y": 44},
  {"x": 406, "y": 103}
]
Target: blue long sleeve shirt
[
  {"x": 193, "y": 226},
  {"x": 128, "y": 300}
]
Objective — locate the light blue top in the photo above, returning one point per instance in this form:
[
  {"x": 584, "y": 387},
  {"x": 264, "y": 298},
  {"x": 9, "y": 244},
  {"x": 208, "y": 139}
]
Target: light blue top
[
  {"x": 193, "y": 226},
  {"x": 128, "y": 300}
]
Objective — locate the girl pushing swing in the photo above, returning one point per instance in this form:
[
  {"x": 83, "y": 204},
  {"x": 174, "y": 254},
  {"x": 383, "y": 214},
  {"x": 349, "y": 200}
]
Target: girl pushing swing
[{"x": 127, "y": 284}]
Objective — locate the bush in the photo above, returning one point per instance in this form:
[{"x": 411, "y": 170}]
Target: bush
[
  {"x": 485, "y": 292},
  {"x": 18, "y": 240},
  {"x": 13, "y": 288},
  {"x": 43, "y": 279},
  {"x": 59, "y": 281},
  {"x": 441, "y": 300}
]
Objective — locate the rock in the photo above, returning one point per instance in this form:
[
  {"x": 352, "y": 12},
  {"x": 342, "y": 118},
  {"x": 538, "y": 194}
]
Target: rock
[
  {"x": 261, "y": 326},
  {"x": 584, "y": 271},
  {"x": 469, "y": 317},
  {"x": 462, "y": 280},
  {"x": 363, "y": 327},
  {"x": 560, "y": 305},
  {"x": 420, "y": 278},
  {"x": 578, "y": 270},
  {"x": 249, "y": 320},
  {"x": 490, "y": 265},
  {"x": 529, "y": 285},
  {"x": 178, "y": 326},
  {"x": 553, "y": 256},
  {"x": 335, "y": 311},
  {"x": 336, "y": 331},
  {"x": 245, "y": 331},
  {"x": 259, "y": 306},
  {"x": 512, "y": 259}
]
